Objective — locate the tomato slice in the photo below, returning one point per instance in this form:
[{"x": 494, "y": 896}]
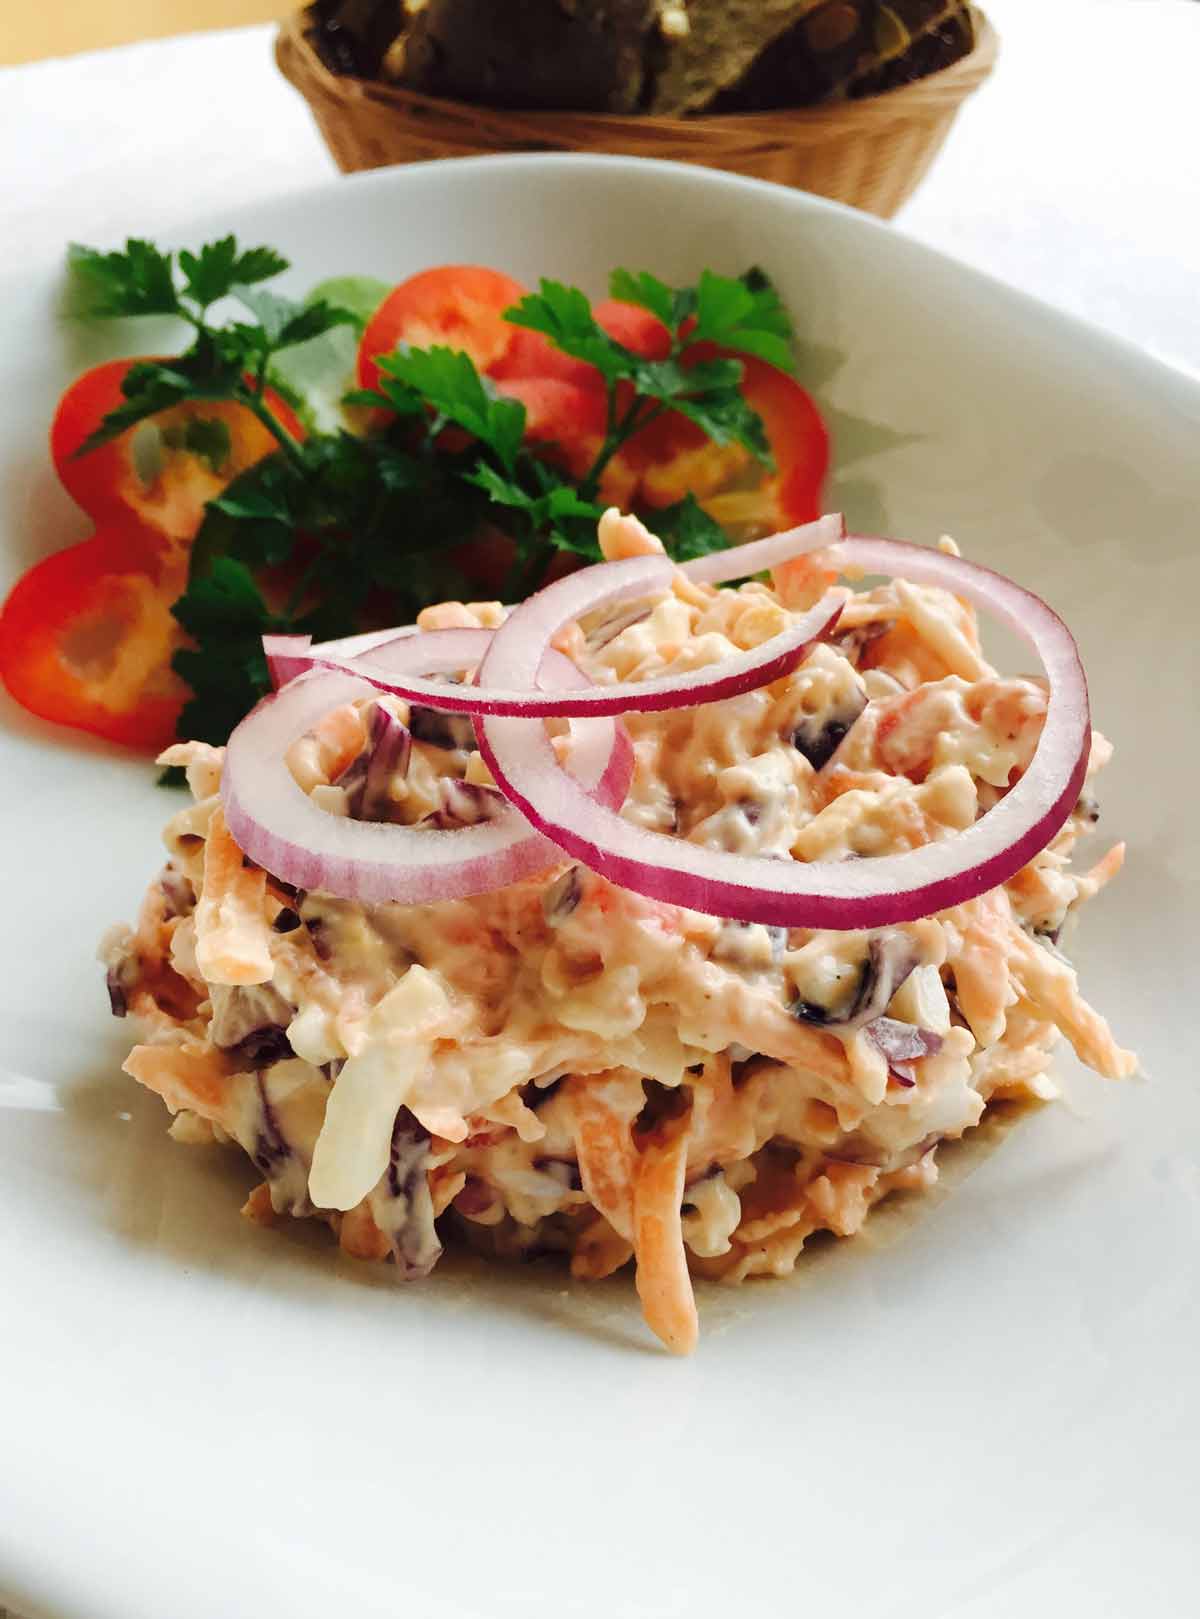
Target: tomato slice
[
  {"x": 797, "y": 435},
  {"x": 86, "y": 639},
  {"x": 460, "y": 306},
  {"x": 532, "y": 355},
  {"x": 564, "y": 420},
  {"x": 672, "y": 457},
  {"x": 140, "y": 473},
  {"x": 634, "y": 327}
]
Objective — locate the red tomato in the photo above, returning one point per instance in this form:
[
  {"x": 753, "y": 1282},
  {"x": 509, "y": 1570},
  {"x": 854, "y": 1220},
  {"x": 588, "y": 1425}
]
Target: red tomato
[
  {"x": 86, "y": 640},
  {"x": 562, "y": 416},
  {"x": 138, "y": 474},
  {"x": 673, "y": 456},
  {"x": 635, "y": 328},
  {"x": 458, "y": 305},
  {"x": 797, "y": 435},
  {"x": 532, "y": 355},
  {"x": 86, "y": 636}
]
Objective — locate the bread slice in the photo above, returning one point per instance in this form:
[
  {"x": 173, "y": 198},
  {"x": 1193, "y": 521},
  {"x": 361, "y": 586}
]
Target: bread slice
[
  {"x": 722, "y": 40},
  {"x": 582, "y": 55}
]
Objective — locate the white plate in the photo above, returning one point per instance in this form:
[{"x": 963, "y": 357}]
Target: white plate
[{"x": 994, "y": 1413}]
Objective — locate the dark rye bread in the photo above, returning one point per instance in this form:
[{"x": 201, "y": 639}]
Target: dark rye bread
[
  {"x": 579, "y": 55},
  {"x": 666, "y": 57},
  {"x": 852, "y": 48},
  {"x": 723, "y": 39}
]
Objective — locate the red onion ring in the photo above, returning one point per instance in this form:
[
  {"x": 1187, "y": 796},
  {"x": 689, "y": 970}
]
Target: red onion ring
[
  {"x": 842, "y": 895},
  {"x": 400, "y": 672},
  {"x": 290, "y": 655},
  {"x": 276, "y": 824},
  {"x": 740, "y": 561}
]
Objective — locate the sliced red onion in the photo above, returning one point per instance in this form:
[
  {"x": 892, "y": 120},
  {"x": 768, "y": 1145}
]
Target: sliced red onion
[
  {"x": 399, "y": 666},
  {"x": 367, "y": 780},
  {"x": 902, "y": 1042},
  {"x": 285, "y": 655},
  {"x": 275, "y": 822},
  {"x": 464, "y": 803},
  {"x": 740, "y": 561},
  {"x": 290, "y": 655},
  {"x": 844, "y": 894}
]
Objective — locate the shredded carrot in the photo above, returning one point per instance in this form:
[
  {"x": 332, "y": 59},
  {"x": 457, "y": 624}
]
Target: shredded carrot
[
  {"x": 341, "y": 736},
  {"x": 981, "y": 967},
  {"x": 359, "y": 1236},
  {"x": 1051, "y": 988},
  {"x": 663, "y": 1283},
  {"x": 233, "y": 941},
  {"x": 1102, "y": 873},
  {"x": 190, "y": 1075},
  {"x": 445, "y": 1183},
  {"x": 841, "y": 1196},
  {"x": 801, "y": 583},
  {"x": 258, "y": 1208},
  {"x": 604, "y": 1107}
]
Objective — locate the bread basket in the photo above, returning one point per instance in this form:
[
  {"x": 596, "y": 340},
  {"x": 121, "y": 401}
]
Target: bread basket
[{"x": 870, "y": 153}]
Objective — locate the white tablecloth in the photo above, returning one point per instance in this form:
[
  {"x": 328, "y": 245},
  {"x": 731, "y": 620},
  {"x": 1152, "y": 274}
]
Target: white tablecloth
[{"x": 1074, "y": 173}]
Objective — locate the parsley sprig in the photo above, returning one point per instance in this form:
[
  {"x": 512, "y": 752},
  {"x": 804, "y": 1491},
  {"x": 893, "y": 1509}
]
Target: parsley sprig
[
  {"x": 227, "y": 362},
  {"x": 345, "y": 529},
  {"x": 739, "y": 314}
]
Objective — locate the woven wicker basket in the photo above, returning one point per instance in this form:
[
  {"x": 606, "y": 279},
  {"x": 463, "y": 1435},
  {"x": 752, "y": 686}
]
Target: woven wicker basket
[{"x": 870, "y": 153}]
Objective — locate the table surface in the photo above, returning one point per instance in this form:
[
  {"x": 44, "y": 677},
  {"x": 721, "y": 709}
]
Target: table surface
[
  {"x": 1071, "y": 174},
  {"x": 29, "y": 33}
]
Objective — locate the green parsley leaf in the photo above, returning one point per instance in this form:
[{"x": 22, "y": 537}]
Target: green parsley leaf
[
  {"x": 744, "y": 314},
  {"x": 504, "y": 491},
  {"x": 311, "y": 321},
  {"x": 226, "y": 615},
  {"x": 728, "y": 419},
  {"x": 550, "y": 505},
  {"x": 148, "y": 388},
  {"x": 251, "y": 519},
  {"x": 564, "y": 315},
  {"x": 668, "y": 380},
  {"x": 448, "y": 380},
  {"x": 374, "y": 399},
  {"x": 227, "y": 598},
  {"x": 218, "y": 268},
  {"x": 645, "y": 290},
  {"x": 258, "y": 264},
  {"x": 688, "y": 531},
  {"x": 208, "y": 275},
  {"x": 709, "y": 395},
  {"x": 250, "y": 503},
  {"x": 106, "y": 286},
  {"x": 286, "y": 323},
  {"x": 211, "y": 370}
]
